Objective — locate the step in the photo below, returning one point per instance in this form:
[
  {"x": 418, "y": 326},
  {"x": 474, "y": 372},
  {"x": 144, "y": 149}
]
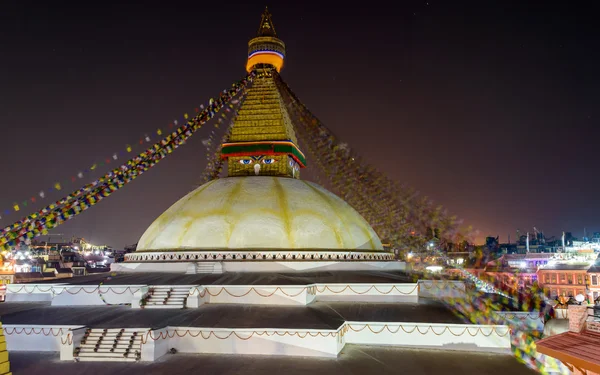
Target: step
[
  {"x": 174, "y": 298},
  {"x": 107, "y": 348},
  {"x": 107, "y": 354},
  {"x": 106, "y": 351},
  {"x": 164, "y": 303},
  {"x": 107, "y": 336},
  {"x": 124, "y": 340},
  {"x": 114, "y": 330},
  {"x": 164, "y": 306},
  {"x": 168, "y": 298},
  {"x": 174, "y": 293},
  {"x": 104, "y": 359},
  {"x": 181, "y": 305},
  {"x": 87, "y": 347},
  {"x": 110, "y": 340},
  {"x": 95, "y": 340}
]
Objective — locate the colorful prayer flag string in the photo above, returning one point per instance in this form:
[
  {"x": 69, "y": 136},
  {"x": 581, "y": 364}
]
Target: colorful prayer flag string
[{"x": 39, "y": 223}]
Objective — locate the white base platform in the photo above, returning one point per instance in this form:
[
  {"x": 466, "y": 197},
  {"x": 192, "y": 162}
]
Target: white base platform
[
  {"x": 196, "y": 295},
  {"x": 259, "y": 266},
  {"x": 272, "y": 341}
]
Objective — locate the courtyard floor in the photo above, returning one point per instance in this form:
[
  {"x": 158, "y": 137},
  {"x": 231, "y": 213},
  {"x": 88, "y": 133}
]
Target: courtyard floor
[{"x": 353, "y": 360}]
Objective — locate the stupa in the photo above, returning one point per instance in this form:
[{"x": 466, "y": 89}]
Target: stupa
[
  {"x": 262, "y": 217},
  {"x": 255, "y": 225}
]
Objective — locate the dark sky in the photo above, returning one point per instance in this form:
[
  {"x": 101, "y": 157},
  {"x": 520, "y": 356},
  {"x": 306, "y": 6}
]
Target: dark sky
[{"x": 489, "y": 107}]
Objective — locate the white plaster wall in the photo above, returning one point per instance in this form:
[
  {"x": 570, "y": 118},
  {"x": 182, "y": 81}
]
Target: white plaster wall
[
  {"x": 367, "y": 292},
  {"x": 84, "y": 295},
  {"x": 257, "y": 294},
  {"x": 35, "y": 338},
  {"x": 154, "y": 349},
  {"x": 441, "y": 289},
  {"x": 275, "y": 343},
  {"x": 299, "y": 266},
  {"x": 528, "y": 321},
  {"x": 170, "y": 267},
  {"x": 259, "y": 266},
  {"x": 447, "y": 336},
  {"x": 69, "y": 341},
  {"x": 30, "y": 292},
  {"x": 31, "y": 297}
]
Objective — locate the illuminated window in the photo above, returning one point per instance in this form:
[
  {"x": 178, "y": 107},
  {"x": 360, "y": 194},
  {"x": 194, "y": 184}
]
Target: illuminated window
[
  {"x": 547, "y": 278},
  {"x": 579, "y": 279},
  {"x": 594, "y": 279},
  {"x": 553, "y": 278},
  {"x": 562, "y": 277}
]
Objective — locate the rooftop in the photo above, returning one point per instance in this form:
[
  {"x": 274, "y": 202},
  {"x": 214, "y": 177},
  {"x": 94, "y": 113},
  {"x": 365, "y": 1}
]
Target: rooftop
[
  {"x": 565, "y": 267},
  {"x": 578, "y": 349}
]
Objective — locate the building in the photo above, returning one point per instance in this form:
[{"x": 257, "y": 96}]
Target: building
[
  {"x": 563, "y": 279},
  {"x": 516, "y": 271},
  {"x": 593, "y": 283}
]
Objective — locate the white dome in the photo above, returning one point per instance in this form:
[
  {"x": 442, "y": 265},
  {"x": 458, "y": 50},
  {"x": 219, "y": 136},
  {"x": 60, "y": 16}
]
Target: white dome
[{"x": 260, "y": 213}]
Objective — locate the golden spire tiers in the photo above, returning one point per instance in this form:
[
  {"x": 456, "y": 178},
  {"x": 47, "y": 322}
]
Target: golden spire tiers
[{"x": 263, "y": 141}]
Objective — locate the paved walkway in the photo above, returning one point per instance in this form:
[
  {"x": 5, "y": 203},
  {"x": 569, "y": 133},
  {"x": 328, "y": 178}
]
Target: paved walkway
[
  {"x": 236, "y": 278},
  {"x": 319, "y": 315},
  {"x": 354, "y": 360}
]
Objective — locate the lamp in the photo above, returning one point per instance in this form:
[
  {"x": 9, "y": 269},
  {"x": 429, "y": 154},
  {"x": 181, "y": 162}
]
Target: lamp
[{"x": 580, "y": 298}]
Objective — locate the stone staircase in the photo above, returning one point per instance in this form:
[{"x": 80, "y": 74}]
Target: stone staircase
[
  {"x": 110, "y": 344},
  {"x": 167, "y": 297},
  {"x": 204, "y": 267}
]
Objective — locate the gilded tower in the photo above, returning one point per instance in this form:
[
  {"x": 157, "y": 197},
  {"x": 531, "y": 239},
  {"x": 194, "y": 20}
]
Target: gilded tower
[{"x": 262, "y": 140}]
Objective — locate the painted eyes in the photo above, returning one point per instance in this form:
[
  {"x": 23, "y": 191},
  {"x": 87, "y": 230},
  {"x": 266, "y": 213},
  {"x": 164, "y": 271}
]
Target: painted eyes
[{"x": 250, "y": 161}]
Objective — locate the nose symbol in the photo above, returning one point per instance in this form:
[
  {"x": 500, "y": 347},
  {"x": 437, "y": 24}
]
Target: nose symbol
[{"x": 256, "y": 169}]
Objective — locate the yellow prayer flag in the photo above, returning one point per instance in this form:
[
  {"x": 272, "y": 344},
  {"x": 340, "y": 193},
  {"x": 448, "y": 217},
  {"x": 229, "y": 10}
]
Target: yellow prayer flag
[
  {"x": 57, "y": 186},
  {"x": 159, "y": 132},
  {"x": 16, "y": 207},
  {"x": 185, "y": 116}
]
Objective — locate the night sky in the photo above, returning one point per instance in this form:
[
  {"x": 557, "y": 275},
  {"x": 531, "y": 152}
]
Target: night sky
[{"x": 488, "y": 107}]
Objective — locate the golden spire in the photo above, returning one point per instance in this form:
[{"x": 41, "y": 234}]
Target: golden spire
[
  {"x": 266, "y": 27},
  {"x": 263, "y": 141},
  {"x": 265, "y": 50}
]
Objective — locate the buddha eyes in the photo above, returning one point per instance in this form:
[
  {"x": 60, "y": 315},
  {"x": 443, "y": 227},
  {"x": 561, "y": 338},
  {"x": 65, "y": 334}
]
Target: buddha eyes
[{"x": 250, "y": 161}]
